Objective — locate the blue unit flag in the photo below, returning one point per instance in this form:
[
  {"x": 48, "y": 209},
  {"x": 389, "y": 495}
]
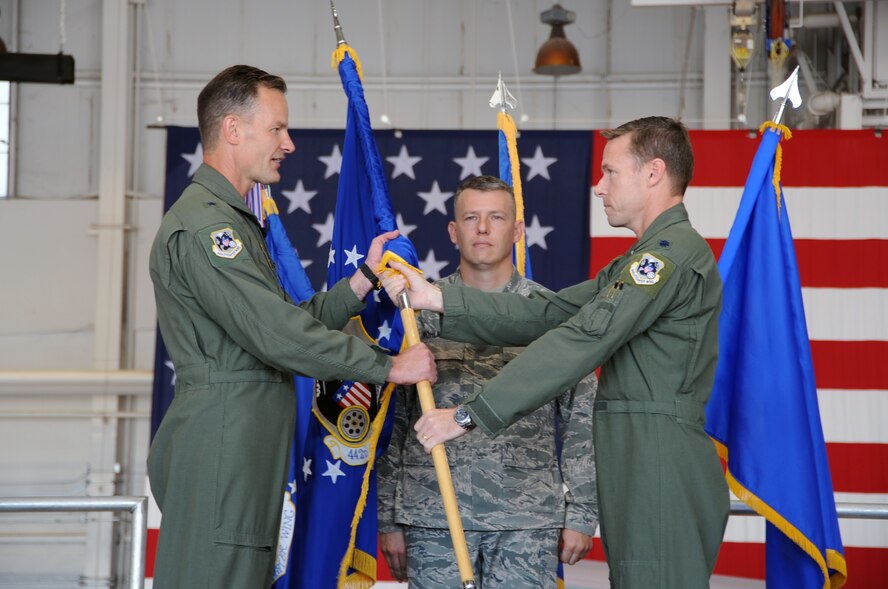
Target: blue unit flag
[{"x": 763, "y": 413}]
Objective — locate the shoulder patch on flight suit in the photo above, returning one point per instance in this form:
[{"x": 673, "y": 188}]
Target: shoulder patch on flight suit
[
  {"x": 225, "y": 243},
  {"x": 649, "y": 272}
]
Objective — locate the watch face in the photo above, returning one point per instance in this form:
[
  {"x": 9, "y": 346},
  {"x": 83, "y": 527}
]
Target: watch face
[{"x": 462, "y": 417}]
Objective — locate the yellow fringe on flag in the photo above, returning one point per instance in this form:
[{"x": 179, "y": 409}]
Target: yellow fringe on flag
[
  {"x": 361, "y": 561},
  {"x": 506, "y": 124},
  {"x": 339, "y": 55},
  {"x": 785, "y": 133},
  {"x": 364, "y": 564},
  {"x": 833, "y": 560}
]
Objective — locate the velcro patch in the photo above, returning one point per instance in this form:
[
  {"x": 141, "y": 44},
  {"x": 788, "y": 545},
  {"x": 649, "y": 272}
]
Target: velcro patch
[
  {"x": 646, "y": 271},
  {"x": 226, "y": 244}
]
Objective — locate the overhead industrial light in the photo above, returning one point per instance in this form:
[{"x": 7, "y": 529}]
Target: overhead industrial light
[
  {"x": 36, "y": 67},
  {"x": 557, "y": 56}
]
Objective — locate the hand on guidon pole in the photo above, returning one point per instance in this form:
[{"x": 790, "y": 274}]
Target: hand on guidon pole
[
  {"x": 374, "y": 253},
  {"x": 437, "y": 426},
  {"x": 413, "y": 365},
  {"x": 398, "y": 278}
]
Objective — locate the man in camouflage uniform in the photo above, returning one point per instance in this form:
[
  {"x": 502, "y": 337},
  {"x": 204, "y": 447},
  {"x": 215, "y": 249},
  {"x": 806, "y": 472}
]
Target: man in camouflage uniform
[
  {"x": 650, "y": 320},
  {"x": 516, "y": 504}
]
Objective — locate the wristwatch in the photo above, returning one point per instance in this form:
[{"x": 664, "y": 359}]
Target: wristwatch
[
  {"x": 368, "y": 273},
  {"x": 463, "y": 419}
]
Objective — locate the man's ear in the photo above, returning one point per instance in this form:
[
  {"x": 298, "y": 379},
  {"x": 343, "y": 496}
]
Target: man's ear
[
  {"x": 232, "y": 132},
  {"x": 451, "y": 229},
  {"x": 519, "y": 231},
  {"x": 656, "y": 169}
]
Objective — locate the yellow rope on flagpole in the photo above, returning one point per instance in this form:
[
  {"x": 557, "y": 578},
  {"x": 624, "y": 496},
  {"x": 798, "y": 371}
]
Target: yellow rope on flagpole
[
  {"x": 506, "y": 124},
  {"x": 785, "y": 133},
  {"x": 269, "y": 207},
  {"x": 339, "y": 55}
]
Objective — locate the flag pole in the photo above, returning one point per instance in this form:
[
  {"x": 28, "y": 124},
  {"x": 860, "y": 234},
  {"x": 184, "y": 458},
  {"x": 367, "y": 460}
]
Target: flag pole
[
  {"x": 439, "y": 457},
  {"x": 427, "y": 402},
  {"x": 503, "y": 100}
]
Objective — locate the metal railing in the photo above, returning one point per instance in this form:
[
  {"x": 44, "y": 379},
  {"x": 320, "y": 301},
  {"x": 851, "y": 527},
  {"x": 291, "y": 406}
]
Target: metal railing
[
  {"x": 137, "y": 506},
  {"x": 843, "y": 510}
]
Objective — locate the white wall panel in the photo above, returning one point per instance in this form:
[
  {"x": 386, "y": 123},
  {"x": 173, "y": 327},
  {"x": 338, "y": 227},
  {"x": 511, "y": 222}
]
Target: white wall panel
[
  {"x": 144, "y": 214},
  {"x": 57, "y": 145},
  {"x": 47, "y": 301}
]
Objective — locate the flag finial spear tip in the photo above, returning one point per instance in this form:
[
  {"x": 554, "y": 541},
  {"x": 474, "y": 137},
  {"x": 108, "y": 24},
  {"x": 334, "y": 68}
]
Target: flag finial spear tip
[
  {"x": 337, "y": 28},
  {"x": 787, "y": 91},
  {"x": 502, "y": 98}
]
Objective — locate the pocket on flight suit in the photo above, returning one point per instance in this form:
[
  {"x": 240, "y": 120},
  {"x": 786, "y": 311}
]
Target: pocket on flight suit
[
  {"x": 595, "y": 316},
  {"x": 252, "y": 461}
]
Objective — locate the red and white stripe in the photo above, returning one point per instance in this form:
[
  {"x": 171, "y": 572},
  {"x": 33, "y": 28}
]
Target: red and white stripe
[
  {"x": 153, "y": 532},
  {"x": 836, "y": 190},
  {"x": 358, "y": 394}
]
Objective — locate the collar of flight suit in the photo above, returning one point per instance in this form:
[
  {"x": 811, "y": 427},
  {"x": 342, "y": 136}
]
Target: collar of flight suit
[
  {"x": 215, "y": 182},
  {"x": 667, "y": 218}
]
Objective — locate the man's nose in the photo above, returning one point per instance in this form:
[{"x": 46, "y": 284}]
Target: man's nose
[
  {"x": 598, "y": 189},
  {"x": 288, "y": 146}
]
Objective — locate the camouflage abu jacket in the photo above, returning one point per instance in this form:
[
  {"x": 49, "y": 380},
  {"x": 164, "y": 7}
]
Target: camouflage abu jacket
[{"x": 511, "y": 482}]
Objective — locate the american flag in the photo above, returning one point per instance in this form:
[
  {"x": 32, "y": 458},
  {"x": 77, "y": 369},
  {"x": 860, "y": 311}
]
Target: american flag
[
  {"x": 423, "y": 169},
  {"x": 356, "y": 394},
  {"x": 837, "y": 182}
]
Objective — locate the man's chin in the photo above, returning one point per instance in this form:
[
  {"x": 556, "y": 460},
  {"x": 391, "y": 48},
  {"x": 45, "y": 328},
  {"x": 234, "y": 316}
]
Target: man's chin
[{"x": 270, "y": 178}]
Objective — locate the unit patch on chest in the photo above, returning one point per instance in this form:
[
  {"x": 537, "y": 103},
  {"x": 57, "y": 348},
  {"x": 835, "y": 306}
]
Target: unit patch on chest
[
  {"x": 226, "y": 244},
  {"x": 646, "y": 271}
]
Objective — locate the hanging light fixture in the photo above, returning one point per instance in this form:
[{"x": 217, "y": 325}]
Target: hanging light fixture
[{"x": 557, "y": 56}]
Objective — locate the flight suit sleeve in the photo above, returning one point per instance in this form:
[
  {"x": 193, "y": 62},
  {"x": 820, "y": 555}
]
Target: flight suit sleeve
[
  {"x": 389, "y": 468},
  {"x": 508, "y": 319},
  {"x": 335, "y": 307},
  {"x": 562, "y": 356},
  {"x": 233, "y": 292},
  {"x": 575, "y": 408}
]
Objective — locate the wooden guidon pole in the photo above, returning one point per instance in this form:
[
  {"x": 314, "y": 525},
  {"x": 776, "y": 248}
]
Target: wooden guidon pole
[{"x": 439, "y": 456}]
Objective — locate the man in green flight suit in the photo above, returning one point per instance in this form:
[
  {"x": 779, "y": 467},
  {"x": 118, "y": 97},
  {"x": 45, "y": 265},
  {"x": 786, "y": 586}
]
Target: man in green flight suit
[
  {"x": 649, "y": 320},
  {"x": 218, "y": 463}
]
